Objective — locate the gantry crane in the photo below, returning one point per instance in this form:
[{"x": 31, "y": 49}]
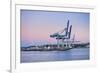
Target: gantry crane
[{"x": 63, "y": 39}]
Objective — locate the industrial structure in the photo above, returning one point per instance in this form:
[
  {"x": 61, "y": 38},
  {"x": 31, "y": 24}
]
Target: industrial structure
[
  {"x": 64, "y": 42},
  {"x": 63, "y": 37}
]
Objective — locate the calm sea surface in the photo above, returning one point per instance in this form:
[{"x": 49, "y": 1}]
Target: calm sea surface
[{"x": 43, "y": 56}]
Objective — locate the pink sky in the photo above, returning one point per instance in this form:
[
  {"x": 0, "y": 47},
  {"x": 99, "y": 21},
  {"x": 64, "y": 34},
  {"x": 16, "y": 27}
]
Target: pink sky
[{"x": 37, "y": 26}]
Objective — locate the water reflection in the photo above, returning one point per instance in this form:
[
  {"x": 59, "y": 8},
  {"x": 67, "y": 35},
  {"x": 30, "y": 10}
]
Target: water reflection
[{"x": 40, "y": 56}]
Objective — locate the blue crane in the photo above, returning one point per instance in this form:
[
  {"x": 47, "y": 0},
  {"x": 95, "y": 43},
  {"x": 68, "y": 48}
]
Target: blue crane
[
  {"x": 67, "y": 34},
  {"x": 63, "y": 37}
]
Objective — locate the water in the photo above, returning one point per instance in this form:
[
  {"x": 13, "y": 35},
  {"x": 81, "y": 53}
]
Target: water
[{"x": 44, "y": 56}]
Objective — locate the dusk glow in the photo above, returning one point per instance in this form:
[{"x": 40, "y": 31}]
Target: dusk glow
[{"x": 37, "y": 26}]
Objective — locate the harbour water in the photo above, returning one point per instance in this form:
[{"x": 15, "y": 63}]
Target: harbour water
[{"x": 44, "y": 56}]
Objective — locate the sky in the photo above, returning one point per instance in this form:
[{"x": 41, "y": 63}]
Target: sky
[{"x": 37, "y": 26}]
